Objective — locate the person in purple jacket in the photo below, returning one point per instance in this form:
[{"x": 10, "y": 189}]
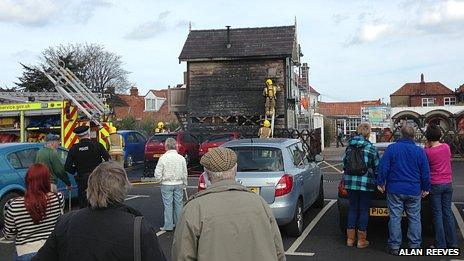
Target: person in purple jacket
[
  {"x": 441, "y": 191},
  {"x": 404, "y": 174}
]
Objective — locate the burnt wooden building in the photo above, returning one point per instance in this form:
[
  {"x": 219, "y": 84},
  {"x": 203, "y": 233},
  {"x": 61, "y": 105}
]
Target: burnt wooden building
[{"x": 226, "y": 74}]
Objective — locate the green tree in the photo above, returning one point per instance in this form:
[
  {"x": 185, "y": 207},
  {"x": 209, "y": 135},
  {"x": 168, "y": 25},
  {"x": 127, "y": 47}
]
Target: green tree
[{"x": 127, "y": 123}]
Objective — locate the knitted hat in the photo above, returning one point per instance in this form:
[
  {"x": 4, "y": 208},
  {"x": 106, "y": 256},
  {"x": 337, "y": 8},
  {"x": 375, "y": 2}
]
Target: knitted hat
[{"x": 219, "y": 159}]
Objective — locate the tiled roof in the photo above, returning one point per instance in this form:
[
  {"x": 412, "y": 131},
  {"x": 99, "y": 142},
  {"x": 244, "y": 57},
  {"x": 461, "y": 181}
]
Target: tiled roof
[
  {"x": 461, "y": 88},
  {"x": 312, "y": 90},
  {"x": 245, "y": 42},
  {"x": 135, "y": 106},
  {"x": 422, "y": 88},
  {"x": 344, "y": 108}
]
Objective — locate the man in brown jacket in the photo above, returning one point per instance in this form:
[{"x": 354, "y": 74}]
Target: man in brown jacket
[{"x": 224, "y": 221}]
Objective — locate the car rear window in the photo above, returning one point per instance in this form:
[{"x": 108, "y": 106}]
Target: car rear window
[
  {"x": 162, "y": 138},
  {"x": 219, "y": 138},
  {"x": 259, "y": 159}
]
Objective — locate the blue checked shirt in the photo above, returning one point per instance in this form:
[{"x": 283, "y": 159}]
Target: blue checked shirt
[{"x": 365, "y": 182}]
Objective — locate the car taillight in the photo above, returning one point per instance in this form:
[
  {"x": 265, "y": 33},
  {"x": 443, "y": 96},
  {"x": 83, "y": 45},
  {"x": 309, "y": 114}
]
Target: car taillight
[
  {"x": 284, "y": 186},
  {"x": 201, "y": 183},
  {"x": 342, "y": 192}
]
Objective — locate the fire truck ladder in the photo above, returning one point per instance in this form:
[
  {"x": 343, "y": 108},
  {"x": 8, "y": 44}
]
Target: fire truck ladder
[{"x": 70, "y": 87}]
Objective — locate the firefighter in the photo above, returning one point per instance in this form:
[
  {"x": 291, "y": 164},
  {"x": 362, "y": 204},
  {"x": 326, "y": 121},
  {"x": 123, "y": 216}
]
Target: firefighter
[
  {"x": 270, "y": 92},
  {"x": 160, "y": 128},
  {"x": 116, "y": 146},
  {"x": 265, "y": 131},
  {"x": 83, "y": 158}
]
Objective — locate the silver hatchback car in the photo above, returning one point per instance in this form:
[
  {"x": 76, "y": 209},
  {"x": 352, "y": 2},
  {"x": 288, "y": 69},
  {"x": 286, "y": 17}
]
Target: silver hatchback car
[{"x": 280, "y": 171}]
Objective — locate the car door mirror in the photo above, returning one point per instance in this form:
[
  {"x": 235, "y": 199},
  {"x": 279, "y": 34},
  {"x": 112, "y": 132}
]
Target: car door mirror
[{"x": 318, "y": 158}]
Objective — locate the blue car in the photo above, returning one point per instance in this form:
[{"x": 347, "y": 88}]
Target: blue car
[
  {"x": 15, "y": 159},
  {"x": 134, "y": 147}
]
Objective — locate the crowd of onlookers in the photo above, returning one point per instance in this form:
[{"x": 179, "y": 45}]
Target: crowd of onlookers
[
  {"x": 225, "y": 221},
  {"x": 407, "y": 173}
]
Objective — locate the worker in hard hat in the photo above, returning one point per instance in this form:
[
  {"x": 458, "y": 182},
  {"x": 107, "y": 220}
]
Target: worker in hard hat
[
  {"x": 270, "y": 92},
  {"x": 116, "y": 146},
  {"x": 265, "y": 132},
  {"x": 160, "y": 128}
]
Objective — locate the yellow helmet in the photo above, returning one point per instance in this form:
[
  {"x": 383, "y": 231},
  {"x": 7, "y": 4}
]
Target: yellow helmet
[
  {"x": 266, "y": 123},
  {"x": 269, "y": 82},
  {"x": 160, "y": 125}
]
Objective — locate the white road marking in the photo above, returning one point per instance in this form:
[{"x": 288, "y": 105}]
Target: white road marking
[
  {"x": 4, "y": 241},
  {"x": 308, "y": 229},
  {"x": 129, "y": 197},
  {"x": 159, "y": 233},
  {"x": 458, "y": 217},
  {"x": 300, "y": 254},
  {"x": 333, "y": 167}
]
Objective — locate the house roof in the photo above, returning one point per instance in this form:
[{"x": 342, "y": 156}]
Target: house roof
[
  {"x": 460, "y": 89},
  {"x": 245, "y": 42},
  {"x": 344, "y": 108},
  {"x": 312, "y": 90},
  {"x": 422, "y": 88}
]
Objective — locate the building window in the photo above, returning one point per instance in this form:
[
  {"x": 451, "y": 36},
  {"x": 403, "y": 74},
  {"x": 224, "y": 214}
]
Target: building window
[
  {"x": 352, "y": 125},
  {"x": 426, "y": 102},
  {"x": 449, "y": 101},
  {"x": 153, "y": 104}
]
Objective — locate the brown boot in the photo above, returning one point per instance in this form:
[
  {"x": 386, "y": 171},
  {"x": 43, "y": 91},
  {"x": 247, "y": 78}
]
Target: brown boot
[
  {"x": 350, "y": 237},
  {"x": 362, "y": 242}
]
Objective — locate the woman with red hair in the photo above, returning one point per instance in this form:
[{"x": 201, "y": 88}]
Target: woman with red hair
[{"x": 29, "y": 220}]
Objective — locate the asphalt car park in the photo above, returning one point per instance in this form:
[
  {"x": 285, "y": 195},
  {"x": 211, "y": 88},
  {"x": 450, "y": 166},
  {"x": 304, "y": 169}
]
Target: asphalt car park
[{"x": 321, "y": 238}]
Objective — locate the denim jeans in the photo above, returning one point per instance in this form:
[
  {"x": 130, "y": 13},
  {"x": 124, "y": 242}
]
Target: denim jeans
[
  {"x": 358, "y": 212},
  {"x": 26, "y": 257},
  {"x": 172, "y": 201},
  {"x": 443, "y": 220},
  {"x": 397, "y": 203}
]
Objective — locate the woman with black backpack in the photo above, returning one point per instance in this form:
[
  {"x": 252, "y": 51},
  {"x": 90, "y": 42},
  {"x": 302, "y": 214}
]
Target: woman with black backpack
[{"x": 360, "y": 164}]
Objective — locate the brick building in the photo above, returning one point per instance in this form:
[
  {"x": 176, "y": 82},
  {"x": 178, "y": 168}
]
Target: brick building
[
  {"x": 152, "y": 106},
  {"x": 423, "y": 94}
]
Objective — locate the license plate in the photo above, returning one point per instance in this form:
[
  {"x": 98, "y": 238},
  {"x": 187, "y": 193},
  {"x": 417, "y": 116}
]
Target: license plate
[
  {"x": 254, "y": 190},
  {"x": 381, "y": 212},
  {"x": 157, "y": 155}
]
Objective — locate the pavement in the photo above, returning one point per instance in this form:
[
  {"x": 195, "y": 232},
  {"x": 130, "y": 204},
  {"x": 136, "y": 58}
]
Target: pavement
[{"x": 321, "y": 239}]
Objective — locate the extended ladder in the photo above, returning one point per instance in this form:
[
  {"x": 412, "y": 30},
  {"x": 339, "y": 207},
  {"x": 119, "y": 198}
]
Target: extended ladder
[{"x": 70, "y": 87}]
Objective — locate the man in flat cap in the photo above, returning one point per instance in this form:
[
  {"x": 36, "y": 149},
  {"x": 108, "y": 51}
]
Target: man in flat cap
[
  {"x": 49, "y": 157},
  {"x": 226, "y": 221},
  {"x": 83, "y": 158}
]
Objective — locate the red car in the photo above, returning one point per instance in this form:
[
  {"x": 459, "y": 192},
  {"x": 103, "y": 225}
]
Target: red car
[
  {"x": 187, "y": 146},
  {"x": 217, "y": 140}
]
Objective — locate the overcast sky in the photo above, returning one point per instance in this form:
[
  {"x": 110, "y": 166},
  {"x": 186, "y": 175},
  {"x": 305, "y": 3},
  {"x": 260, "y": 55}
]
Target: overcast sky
[{"x": 356, "y": 49}]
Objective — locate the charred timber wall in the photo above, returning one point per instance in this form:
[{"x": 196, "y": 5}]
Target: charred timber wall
[{"x": 227, "y": 95}]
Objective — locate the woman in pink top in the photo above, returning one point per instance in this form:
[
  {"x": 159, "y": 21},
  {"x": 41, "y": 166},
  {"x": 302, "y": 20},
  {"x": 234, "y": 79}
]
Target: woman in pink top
[{"x": 441, "y": 190}]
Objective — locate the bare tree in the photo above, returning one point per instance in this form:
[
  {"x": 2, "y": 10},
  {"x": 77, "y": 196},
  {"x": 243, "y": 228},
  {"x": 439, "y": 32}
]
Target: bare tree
[{"x": 100, "y": 70}]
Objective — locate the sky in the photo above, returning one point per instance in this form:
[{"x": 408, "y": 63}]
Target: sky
[{"x": 356, "y": 49}]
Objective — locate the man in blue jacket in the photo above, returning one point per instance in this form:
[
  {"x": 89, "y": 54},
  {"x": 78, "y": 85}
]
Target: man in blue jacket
[{"x": 404, "y": 174}]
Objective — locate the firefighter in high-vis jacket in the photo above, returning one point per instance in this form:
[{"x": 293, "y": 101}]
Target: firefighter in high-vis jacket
[
  {"x": 116, "y": 146},
  {"x": 265, "y": 131},
  {"x": 160, "y": 128},
  {"x": 270, "y": 92}
]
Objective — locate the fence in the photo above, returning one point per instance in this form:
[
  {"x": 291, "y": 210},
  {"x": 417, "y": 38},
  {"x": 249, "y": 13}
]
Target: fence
[{"x": 310, "y": 138}]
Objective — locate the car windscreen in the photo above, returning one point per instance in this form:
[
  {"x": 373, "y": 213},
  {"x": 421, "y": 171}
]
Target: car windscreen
[
  {"x": 258, "y": 159},
  {"x": 219, "y": 138},
  {"x": 162, "y": 138}
]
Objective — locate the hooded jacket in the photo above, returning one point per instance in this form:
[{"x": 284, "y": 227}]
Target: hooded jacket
[
  {"x": 365, "y": 182},
  {"x": 227, "y": 222},
  {"x": 99, "y": 234}
]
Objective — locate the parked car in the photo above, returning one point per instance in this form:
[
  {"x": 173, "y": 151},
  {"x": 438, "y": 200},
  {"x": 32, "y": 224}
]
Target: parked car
[
  {"x": 134, "y": 147},
  {"x": 282, "y": 172},
  {"x": 15, "y": 159},
  {"x": 378, "y": 210},
  {"x": 187, "y": 146},
  {"x": 217, "y": 140}
]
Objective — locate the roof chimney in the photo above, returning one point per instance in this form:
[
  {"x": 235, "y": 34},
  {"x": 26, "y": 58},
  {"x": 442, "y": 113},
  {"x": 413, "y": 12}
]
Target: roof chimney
[
  {"x": 422, "y": 78},
  {"x": 134, "y": 91},
  {"x": 228, "y": 45}
]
